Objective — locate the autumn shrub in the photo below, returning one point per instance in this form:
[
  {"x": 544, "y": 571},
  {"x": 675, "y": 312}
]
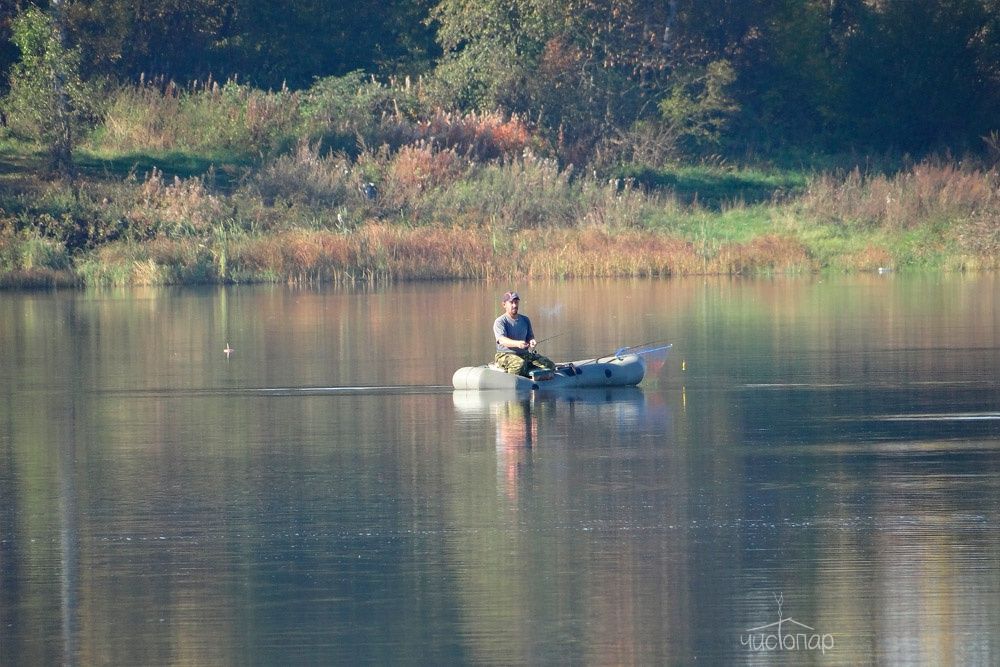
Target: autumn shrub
[
  {"x": 770, "y": 253},
  {"x": 600, "y": 252},
  {"x": 871, "y": 257},
  {"x": 306, "y": 176},
  {"x": 426, "y": 252},
  {"x": 417, "y": 169},
  {"x": 979, "y": 234},
  {"x": 292, "y": 256},
  {"x": 176, "y": 207},
  {"x": 479, "y": 136}
]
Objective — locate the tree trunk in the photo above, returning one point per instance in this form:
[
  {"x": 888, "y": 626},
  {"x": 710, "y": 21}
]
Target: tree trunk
[{"x": 62, "y": 145}]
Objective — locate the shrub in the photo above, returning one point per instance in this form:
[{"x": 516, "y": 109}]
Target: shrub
[
  {"x": 349, "y": 112},
  {"x": 528, "y": 192},
  {"x": 478, "y": 136},
  {"x": 28, "y": 251},
  {"x": 177, "y": 207},
  {"x": 417, "y": 169},
  {"x": 305, "y": 176}
]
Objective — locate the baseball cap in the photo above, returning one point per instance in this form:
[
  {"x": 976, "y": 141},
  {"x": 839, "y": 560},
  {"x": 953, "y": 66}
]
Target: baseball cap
[{"x": 510, "y": 296}]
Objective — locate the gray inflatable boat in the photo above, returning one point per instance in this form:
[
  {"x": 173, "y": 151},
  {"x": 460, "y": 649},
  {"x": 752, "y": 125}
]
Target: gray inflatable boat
[{"x": 615, "y": 371}]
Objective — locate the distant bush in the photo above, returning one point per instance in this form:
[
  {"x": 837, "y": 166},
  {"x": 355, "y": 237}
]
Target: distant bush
[
  {"x": 348, "y": 113},
  {"x": 304, "y": 176},
  {"x": 527, "y": 192},
  {"x": 478, "y": 136},
  {"x": 416, "y": 170},
  {"x": 176, "y": 207},
  {"x": 28, "y": 259},
  {"x": 27, "y": 250}
]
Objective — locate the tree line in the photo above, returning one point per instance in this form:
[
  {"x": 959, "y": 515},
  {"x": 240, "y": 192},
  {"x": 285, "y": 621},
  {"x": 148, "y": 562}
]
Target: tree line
[{"x": 631, "y": 79}]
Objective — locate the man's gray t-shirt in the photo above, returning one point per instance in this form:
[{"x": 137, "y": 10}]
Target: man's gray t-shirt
[{"x": 519, "y": 329}]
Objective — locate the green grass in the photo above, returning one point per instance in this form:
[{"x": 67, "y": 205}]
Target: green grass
[
  {"x": 225, "y": 167},
  {"x": 716, "y": 188}
]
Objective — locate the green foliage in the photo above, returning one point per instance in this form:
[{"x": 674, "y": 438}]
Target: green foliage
[
  {"x": 269, "y": 43},
  {"x": 351, "y": 111},
  {"x": 8, "y": 51},
  {"x": 698, "y": 106},
  {"x": 532, "y": 192},
  {"x": 306, "y": 177},
  {"x": 48, "y": 101},
  {"x": 28, "y": 251},
  {"x": 491, "y": 51},
  {"x": 923, "y": 73}
]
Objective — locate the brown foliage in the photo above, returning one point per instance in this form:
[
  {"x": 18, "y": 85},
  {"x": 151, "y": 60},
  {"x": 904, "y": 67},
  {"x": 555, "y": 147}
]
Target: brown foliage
[
  {"x": 769, "y": 253},
  {"x": 418, "y": 168},
  {"x": 479, "y": 136}
]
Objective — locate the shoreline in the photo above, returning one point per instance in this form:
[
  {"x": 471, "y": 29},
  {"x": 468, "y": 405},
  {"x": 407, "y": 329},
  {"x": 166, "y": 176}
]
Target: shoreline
[
  {"x": 302, "y": 218},
  {"x": 378, "y": 253}
]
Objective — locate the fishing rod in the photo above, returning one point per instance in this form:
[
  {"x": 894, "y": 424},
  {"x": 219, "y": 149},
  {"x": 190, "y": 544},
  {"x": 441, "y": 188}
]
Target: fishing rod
[
  {"x": 539, "y": 342},
  {"x": 622, "y": 350}
]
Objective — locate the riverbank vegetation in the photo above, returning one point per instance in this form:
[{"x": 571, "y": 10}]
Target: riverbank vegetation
[{"x": 465, "y": 172}]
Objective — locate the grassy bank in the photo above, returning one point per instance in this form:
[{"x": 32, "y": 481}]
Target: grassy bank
[{"x": 233, "y": 185}]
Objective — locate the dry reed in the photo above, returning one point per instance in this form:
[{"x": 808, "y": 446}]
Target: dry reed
[{"x": 928, "y": 192}]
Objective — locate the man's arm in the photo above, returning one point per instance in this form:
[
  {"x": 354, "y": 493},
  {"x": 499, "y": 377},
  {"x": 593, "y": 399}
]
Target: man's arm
[{"x": 510, "y": 342}]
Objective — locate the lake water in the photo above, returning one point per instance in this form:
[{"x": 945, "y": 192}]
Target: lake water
[{"x": 812, "y": 476}]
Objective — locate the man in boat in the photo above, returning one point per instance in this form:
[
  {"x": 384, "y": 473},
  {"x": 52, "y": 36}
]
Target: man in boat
[{"x": 516, "y": 340}]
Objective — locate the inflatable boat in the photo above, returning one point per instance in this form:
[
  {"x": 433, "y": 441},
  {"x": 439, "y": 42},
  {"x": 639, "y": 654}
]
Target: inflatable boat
[{"x": 615, "y": 371}]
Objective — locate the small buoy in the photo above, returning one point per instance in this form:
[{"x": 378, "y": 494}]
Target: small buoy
[
  {"x": 684, "y": 365},
  {"x": 228, "y": 350}
]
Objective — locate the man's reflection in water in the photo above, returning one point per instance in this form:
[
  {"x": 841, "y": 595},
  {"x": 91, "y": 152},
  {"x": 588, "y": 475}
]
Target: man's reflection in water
[{"x": 517, "y": 433}]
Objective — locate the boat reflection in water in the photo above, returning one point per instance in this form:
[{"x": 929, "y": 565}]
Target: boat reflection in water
[{"x": 526, "y": 422}]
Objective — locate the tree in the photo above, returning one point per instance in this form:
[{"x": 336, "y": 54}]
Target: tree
[
  {"x": 175, "y": 39},
  {"x": 8, "y": 52},
  {"x": 47, "y": 97},
  {"x": 923, "y": 73},
  {"x": 266, "y": 43},
  {"x": 584, "y": 70}
]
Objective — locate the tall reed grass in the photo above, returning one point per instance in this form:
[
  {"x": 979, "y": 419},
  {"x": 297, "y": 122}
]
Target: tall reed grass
[
  {"x": 30, "y": 260},
  {"x": 959, "y": 204},
  {"x": 207, "y": 117},
  {"x": 381, "y": 252},
  {"x": 928, "y": 192}
]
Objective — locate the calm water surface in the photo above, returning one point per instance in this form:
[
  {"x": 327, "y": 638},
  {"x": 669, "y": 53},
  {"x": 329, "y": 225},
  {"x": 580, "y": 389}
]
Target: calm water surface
[{"x": 811, "y": 477}]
